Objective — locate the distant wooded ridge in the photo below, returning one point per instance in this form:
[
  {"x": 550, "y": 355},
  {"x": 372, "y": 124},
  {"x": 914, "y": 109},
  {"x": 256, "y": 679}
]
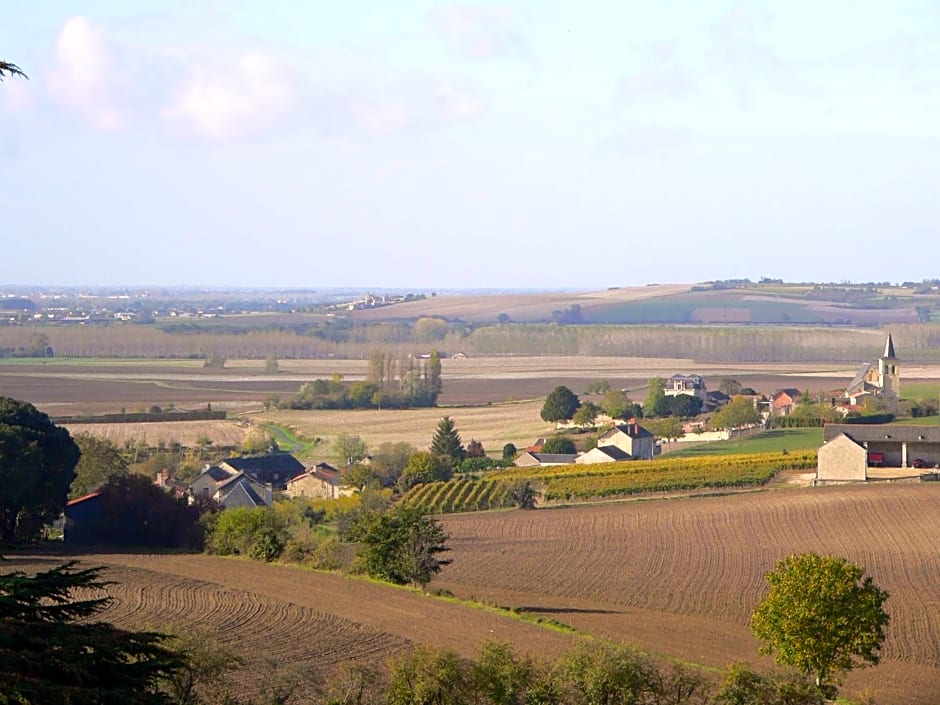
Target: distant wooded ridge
[{"x": 733, "y": 321}]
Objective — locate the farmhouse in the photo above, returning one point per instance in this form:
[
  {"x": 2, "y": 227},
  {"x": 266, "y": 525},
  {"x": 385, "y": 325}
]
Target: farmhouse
[
  {"x": 230, "y": 488},
  {"x": 849, "y": 451},
  {"x": 878, "y": 379},
  {"x": 631, "y": 438},
  {"x": 81, "y": 514},
  {"x": 272, "y": 468},
  {"x": 321, "y": 481}
]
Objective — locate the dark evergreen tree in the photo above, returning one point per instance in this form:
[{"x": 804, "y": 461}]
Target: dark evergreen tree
[
  {"x": 51, "y": 653},
  {"x": 37, "y": 465},
  {"x": 446, "y": 442}
]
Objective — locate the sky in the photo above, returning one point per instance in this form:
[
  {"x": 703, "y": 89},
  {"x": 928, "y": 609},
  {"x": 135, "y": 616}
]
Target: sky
[{"x": 547, "y": 144}]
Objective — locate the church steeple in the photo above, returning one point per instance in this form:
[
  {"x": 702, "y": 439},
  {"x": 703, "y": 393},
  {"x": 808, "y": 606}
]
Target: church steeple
[
  {"x": 889, "y": 376},
  {"x": 889, "y": 348}
]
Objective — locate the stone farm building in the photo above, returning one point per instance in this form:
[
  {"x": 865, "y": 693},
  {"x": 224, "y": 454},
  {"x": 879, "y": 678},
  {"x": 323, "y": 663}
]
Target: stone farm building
[{"x": 850, "y": 451}]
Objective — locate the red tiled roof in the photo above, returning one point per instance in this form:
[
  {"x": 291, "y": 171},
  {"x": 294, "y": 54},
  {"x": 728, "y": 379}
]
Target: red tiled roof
[{"x": 82, "y": 499}]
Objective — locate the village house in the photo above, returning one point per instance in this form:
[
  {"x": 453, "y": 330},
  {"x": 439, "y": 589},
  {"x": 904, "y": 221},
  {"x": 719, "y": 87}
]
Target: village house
[
  {"x": 692, "y": 385},
  {"x": 784, "y": 401},
  {"x": 81, "y": 516},
  {"x": 631, "y": 438},
  {"x": 271, "y": 468},
  {"x": 530, "y": 458},
  {"x": 230, "y": 488},
  {"x": 322, "y": 481}
]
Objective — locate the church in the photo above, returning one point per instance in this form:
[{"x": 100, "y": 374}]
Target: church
[{"x": 880, "y": 379}]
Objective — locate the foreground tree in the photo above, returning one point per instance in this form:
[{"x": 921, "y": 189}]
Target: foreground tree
[
  {"x": 100, "y": 461},
  {"x": 51, "y": 653},
  {"x": 821, "y": 616},
  {"x": 37, "y": 465},
  {"x": 8, "y": 69},
  {"x": 742, "y": 686},
  {"x": 560, "y": 405},
  {"x": 401, "y": 546}
]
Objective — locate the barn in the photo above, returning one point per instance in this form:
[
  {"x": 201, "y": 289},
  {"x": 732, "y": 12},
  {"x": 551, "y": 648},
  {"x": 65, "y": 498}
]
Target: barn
[{"x": 858, "y": 452}]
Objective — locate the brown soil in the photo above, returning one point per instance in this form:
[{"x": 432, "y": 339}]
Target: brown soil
[{"x": 677, "y": 577}]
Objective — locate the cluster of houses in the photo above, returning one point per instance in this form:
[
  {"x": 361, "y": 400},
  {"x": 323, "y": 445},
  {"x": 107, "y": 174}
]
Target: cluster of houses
[
  {"x": 245, "y": 481},
  {"x": 850, "y": 452}
]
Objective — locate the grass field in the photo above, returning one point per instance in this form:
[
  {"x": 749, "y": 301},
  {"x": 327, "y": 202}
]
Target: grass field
[
  {"x": 921, "y": 390},
  {"x": 773, "y": 441}
]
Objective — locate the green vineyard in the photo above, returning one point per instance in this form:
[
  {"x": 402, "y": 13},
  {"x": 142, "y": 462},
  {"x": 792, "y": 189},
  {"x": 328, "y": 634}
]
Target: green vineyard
[
  {"x": 605, "y": 480},
  {"x": 460, "y": 495}
]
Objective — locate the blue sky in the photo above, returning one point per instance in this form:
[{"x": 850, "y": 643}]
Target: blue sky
[{"x": 543, "y": 144}]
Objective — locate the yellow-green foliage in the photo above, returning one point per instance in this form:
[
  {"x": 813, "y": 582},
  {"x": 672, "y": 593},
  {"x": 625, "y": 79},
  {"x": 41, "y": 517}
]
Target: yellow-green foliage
[
  {"x": 584, "y": 482},
  {"x": 566, "y": 482},
  {"x": 291, "y": 509},
  {"x": 460, "y": 495}
]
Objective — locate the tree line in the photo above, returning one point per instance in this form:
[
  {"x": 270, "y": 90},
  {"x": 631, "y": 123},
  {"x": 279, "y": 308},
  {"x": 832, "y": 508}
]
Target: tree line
[
  {"x": 392, "y": 383},
  {"x": 918, "y": 341}
]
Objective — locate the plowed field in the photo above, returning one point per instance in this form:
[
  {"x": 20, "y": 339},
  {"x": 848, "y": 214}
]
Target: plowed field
[
  {"x": 677, "y": 577},
  {"x": 682, "y": 577}
]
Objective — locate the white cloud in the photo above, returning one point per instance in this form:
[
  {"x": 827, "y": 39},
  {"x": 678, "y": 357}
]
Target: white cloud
[
  {"x": 84, "y": 77},
  {"x": 231, "y": 100}
]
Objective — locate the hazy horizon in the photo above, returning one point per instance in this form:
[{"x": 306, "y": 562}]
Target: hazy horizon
[{"x": 478, "y": 145}]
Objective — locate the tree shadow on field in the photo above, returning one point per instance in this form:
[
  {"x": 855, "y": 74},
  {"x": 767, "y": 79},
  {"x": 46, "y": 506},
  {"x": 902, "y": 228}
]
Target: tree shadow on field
[{"x": 563, "y": 610}]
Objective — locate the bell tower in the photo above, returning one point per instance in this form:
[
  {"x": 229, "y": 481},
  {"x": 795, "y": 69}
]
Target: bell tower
[{"x": 889, "y": 378}]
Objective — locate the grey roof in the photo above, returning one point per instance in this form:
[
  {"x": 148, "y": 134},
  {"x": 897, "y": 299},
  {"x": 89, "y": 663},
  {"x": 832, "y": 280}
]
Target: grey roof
[
  {"x": 273, "y": 462},
  {"x": 555, "y": 458},
  {"x": 627, "y": 429},
  {"x": 242, "y": 495},
  {"x": 859, "y": 378},
  {"x": 889, "y": 348},
  {"x": 216, "y": 473},
  {"x": 862, "y": 433},
  {"x": 615, "y": 452},
  {"x": 789, "y": 391}
]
